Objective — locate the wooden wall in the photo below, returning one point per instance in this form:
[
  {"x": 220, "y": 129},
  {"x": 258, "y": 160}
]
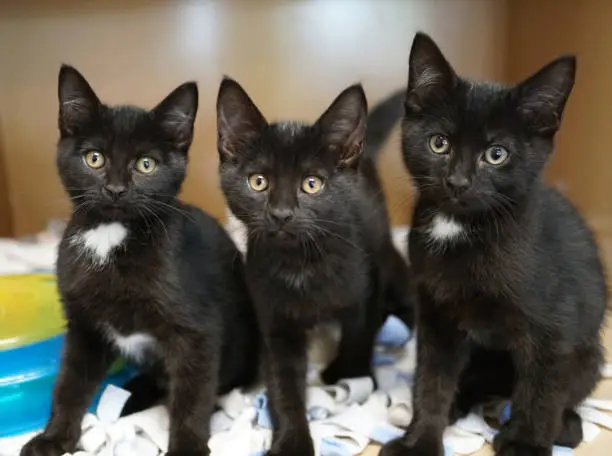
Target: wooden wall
[
  {"x": 6, "y": 213},
  {"x": 538, "y": 31},
  {"x": 293, "y": 56}
]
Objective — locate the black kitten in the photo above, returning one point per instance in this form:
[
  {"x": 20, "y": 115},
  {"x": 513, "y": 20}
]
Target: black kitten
[
  {"x": 511, "y": 289},
  {"x": 140, "y": 273},
  {"x": 319, "y": 247}
]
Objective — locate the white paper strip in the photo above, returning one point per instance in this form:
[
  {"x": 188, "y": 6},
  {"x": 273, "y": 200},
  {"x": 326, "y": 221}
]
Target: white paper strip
[
  {"x": 359, "y": 389},
  {"x": 600, "y": 404},
  {"x": 111, "y": 404},
  {"x": 595, "y": 416}
]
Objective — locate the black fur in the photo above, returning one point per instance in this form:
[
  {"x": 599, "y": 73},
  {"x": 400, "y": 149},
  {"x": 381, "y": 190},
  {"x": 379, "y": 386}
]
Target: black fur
[
  {"x": 177, "y": 276},
  {"x": 513, "y": 305},
  {"x": 312, "y": 258}
]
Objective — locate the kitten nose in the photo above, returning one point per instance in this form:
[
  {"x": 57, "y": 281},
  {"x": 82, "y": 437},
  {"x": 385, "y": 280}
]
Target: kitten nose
[
  {"x": 114, "y": 191},
  {"x": 458, "y": 182},
  {"x": 281, "y": 214}
]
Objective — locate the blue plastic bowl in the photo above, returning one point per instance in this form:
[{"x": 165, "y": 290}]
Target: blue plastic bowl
[{"x": 27, "y": 375}]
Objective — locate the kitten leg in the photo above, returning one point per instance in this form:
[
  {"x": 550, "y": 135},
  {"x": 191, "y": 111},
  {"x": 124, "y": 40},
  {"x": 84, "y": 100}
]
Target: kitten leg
[
  {"x": 538, "y": 400},
  {"x": 441, "y": 355},
  {"x": 286, "y": 382},
  {"x": 359, "y": 330},
  {"x": 586, "y": 373},
  {"x": 147, "y": 389},
  {"x": 85, "y": 361},
  {"x": 488, "y": 376},
  {"x": 193, "y": 367},
  {"x": 399, "y": 292},
  {"x": 571, "y": 430},
  {"x": 355, "y": 351}
]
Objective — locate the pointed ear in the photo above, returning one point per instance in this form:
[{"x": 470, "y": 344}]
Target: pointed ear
[
  {"x": 78, "y": 104},
  {"x": 430, "y": 75},
  {"x": 176, "y": 114},
  {"x": 343, "y": 125},
  {"x": 238, "y": 119},
  {"x": 542, "y": 97}
]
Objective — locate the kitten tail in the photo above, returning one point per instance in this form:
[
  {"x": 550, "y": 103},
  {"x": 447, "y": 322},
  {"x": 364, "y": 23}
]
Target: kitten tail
[{"x": 381, "y": 120}]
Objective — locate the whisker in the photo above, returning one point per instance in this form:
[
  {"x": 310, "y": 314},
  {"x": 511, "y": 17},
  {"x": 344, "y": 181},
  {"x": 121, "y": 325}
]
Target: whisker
[
  {"x": 165, "y": 206},
  {"x": 156, "y": 218},
  {"x": 327, "y": 232}
]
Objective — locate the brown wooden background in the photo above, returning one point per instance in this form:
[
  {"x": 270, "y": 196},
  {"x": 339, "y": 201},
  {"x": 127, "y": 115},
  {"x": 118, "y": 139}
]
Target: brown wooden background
[
  {"x": 538, "y": 31},
  {"x": 293, "y": 56}
]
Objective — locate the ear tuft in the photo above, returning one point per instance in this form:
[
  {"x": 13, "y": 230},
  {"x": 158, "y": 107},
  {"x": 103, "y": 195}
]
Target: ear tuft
[
  {"x": 343, "y": 125},
  {"x": 429, "y": 74},
  {"x": 542, "y": 97},
  {"x": 177, "y": 112},
  {"x": 78, "y": 104},
  {"x": 239, "y": 121}
]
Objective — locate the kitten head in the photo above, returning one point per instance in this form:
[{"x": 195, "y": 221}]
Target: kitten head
[
  {"x": 289, "y": 181},
  {"x": 122, "y": 162},
  {"x": 477, "y": 146}
]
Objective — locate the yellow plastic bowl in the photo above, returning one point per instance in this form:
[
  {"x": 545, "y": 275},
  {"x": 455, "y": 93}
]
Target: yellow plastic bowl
[{"x": 30, "y": 309}]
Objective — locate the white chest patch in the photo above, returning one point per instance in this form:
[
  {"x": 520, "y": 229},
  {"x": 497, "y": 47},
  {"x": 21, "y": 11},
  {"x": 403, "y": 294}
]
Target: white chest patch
[
  {"x": 135, "y": 346},
  {"x": 444, "y": 228},
  {"x": 101, "y": 240},
  {"x": 237, "y": 230}
]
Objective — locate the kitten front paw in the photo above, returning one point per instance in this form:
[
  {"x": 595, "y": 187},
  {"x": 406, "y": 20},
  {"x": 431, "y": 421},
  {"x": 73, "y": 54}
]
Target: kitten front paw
[
  {"x": 510, "y": 448},
  {"x": 571, "y": 434},
  {"x": 398, "y": 447},
  {"x": 508, "y": 443},
  {"x": 337, "y": 371},
  {"x": 45, "y": 446}
]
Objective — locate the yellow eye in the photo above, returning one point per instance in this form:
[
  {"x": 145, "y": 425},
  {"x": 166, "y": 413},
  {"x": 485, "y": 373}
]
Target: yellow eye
[
  {"x": 496, "y": 155},
  {"x": 439, "y": 144},
  {"x": 312, "y": 185},
  {"x": 258, "y": 182},
  {"x": 94, "y": 159},
  {"x": 146, "y": 165}
]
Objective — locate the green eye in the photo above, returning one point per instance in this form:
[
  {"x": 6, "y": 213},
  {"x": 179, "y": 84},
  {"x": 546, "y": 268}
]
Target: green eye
[
  {"x": 439, "y": 144},
  {"x": 146, "y": 165},
  {"x": 94, "y": 159},
  {"x": 312, "y": 185},
  {"x": 496, "y": 155},
  {"x": 258, "y": 182}
]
